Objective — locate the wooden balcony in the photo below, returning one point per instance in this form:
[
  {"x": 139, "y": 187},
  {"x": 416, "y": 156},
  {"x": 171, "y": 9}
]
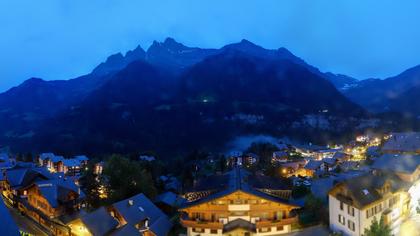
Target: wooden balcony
[
  {"x": 275, "y": 223},
  {"x": 201, "y": 224}
]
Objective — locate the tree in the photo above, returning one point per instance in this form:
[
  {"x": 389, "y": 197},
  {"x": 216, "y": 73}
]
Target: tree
[
  {"x": 126, "y": 178},
  {"x": 378, "y": 228},
  {"x": 91, "y": 183}
]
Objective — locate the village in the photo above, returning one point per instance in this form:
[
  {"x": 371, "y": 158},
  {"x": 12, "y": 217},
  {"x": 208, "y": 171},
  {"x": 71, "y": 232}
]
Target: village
[{"x": 268, "y": 189}]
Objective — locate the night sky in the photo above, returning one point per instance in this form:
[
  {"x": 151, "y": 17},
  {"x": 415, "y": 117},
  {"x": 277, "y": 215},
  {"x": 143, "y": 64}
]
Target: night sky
[{"x": 62, "y": 39}]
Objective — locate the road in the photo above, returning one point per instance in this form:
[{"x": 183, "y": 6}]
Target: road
[
  {"x": 25, "y": 224},
  {"x": 318, "y": 230}
]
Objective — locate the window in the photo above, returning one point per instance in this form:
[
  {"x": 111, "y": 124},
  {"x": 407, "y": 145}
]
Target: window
[
  {"x": 280, "y": 228},
  {"x": 213, "y": 231},
  {"x": 198, "y": 230},
  {"x": 350, "y": 210},
  {"x": 264, "y": 230},
  {"x": 341, "y": 219},
  {"x": 341, "y": 206},
  {"x": 351, "y": 225}
]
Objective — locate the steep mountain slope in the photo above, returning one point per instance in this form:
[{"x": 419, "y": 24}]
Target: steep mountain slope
[
  {"x": 376, "y": 95},
  {"x": 231, "y": 93}
]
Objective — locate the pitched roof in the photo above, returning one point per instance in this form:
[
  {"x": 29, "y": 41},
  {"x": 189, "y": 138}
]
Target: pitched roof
[
  {"x": 397, "y": 162},
  {"x": 22, "y": 177},
  {"x": 238, "y": 180},
  {"x": 313, "y": 165},
  {"x": 364, "y": 189},
  {"x": 56, "y": 159},
  {"x": 99, "y": 222},
  {"x": 55, "y": 191},
  {"x": 45, "y": 156},
  {"x": 71, "y": 162},
  {"x": 170, "y": 198},
  {"x": 141, "y": 209}
]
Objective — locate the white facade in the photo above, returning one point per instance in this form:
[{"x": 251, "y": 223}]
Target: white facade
[{"x": 342, "y": 217}]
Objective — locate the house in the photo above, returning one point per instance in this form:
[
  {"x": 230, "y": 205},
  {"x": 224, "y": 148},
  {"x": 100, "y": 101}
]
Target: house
[
  {"x": 134, "y": 216},
  {"x": 313, "y": 167},
  {"x": 354, "y": 203},
  {"x": 41, "y": 195},
  {"x": 295, "y": 168},
  {"x": 406, "y": 166},
  {"x": 51, "y": 161},
  {"x": 97, "y": 223},
  {"x": 139, "y": 214},
  {"x": 408, "y": 142},
  {"x": 6, "y": 162},
  {"x": 349, "y": 165},
  {"x": 99, "y": 167},
  {"x": 239, "y": 159},
  {"x": 330, "y": 163},
  {"x": 341, "y": 156},
  {"x": 169, "y": 201},
  {"x": 238, "y": 203},
  {"x": 279, "y": 157},
  {"x": 14, "y": 181}
]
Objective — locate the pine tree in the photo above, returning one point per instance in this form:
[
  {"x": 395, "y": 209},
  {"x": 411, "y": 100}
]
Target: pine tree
[{"x": 378, "y": 228}]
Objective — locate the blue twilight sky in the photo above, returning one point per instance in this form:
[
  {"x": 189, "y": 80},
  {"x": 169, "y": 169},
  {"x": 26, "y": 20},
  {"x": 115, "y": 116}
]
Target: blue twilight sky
[{"x": 61, "y": 39}]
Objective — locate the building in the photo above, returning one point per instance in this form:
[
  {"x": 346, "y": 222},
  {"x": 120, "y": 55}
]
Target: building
[
  {"x": 402, "y": 143},
  {"x": 238, "y": 203},
  {"x": 392, "y": 190},
  {"x": 356, "y": 202},
  {"x": 295, "y": 168},
  {"x": 279, "y": 157},
  {"x": 69, "y": 166},
  {"x": 41, "y": 195},
  {"x": 313, "y": 168},
  {"x": 134, "y": 216}
]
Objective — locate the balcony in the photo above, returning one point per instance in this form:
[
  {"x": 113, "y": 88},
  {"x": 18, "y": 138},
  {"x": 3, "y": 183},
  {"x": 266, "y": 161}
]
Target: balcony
[
  {"x": 275, "y": 223},
  {"x": 201, "y": 224}
]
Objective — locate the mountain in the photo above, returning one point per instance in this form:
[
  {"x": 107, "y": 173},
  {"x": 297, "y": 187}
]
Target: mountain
[
  {"x": 377, "y": 95},
  {"x": 227, "y": 94},
  {"x": 172, "y": 98}
]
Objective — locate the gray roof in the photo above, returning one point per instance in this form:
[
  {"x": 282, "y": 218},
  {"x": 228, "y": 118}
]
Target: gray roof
[
  {"x": 170, "y": 198},
  {"x": 238, "y": 180},
  {"x": 55, "y": 191},
  {"x": 45, "y": 156},
  {"x": 403, "y": 142},
  {"x": 71, "y": 162},
  {"x": 313, "y": 165},
  {"x": 397, "y": 162},
  {"x": 142, "y": 209},
  {"x": 99, "y": 222},
  {"x": 21, "y": 177},
  {"x": 56, "y": 159},
  {"x": 364, "y": 188}
]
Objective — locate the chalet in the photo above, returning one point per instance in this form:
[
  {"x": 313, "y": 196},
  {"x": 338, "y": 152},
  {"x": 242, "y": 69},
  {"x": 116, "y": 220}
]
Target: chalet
[
  {"x": 239, "y": 159},
  {"x": 134, "y": 216},
  {"x": 279, "y": 157},
  {"x": 49, "y": 200},
  {"x": 295, "y": 168},
  {"x": 354, "y": 203},
  {"x": 169, "y": 202},
  {"x": 16, "y": 179},
  {"x": 313, "y": 168},
  {"x": 238, "y": 203},
  {"x": 330, "y": 163},
  {"x": 139, "y": 214},
  {"x": 96, "y": 223},
  {"x": 51, "y": 161}
]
